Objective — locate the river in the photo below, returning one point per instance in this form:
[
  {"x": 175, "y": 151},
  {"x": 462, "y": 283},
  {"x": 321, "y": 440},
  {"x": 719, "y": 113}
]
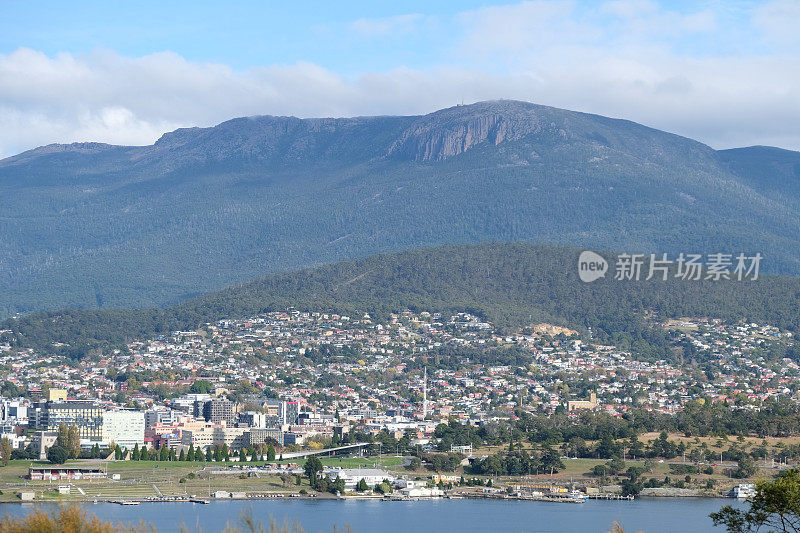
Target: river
[{"x": 651, "y": 515}]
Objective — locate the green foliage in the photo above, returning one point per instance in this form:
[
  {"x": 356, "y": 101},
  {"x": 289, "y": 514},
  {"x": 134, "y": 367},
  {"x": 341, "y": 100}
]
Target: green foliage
[
  {"x": 69, "y": 439},
  {"x": 518, "y": 463},
  {"x": 414, "y": 464},
  {"x": 746, "y": 467},
  {"x": 5, "y": 450},
  {"x": 510, "y": 284},
  {"x": 776, "y": 506},
  {"x": 57, "y": 454},
  {"x": 313, "y": 468},
  {"x": 201, "y": 386},
  {"x": 383, "y": 487}
]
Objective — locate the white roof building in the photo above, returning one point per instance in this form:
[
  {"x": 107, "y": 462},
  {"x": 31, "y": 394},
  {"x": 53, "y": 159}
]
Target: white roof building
[{"x": 351, "y": 476}]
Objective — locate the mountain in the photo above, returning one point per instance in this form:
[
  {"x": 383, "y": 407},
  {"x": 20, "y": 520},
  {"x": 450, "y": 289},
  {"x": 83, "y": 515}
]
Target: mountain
[
  {"x": 90, "y": 225},
  {"x": 772, "y": 171},
  {"x": 511, "y": 284}
]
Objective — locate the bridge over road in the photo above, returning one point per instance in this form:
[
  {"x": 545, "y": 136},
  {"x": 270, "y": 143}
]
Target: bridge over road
[{"x": 327, "y": 451}]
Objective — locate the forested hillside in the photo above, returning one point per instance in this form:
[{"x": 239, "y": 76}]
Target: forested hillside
[
  {"x": 510, "y": 284},
  {"x": 97, "y": 226}
]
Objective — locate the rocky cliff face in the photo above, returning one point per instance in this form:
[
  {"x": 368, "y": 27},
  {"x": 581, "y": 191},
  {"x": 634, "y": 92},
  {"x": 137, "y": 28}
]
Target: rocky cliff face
[{"x": 453, "y": 131}]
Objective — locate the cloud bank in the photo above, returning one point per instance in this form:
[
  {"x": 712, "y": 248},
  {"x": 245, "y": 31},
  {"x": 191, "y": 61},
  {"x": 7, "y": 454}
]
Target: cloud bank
[{"x": 684, "y": 72}]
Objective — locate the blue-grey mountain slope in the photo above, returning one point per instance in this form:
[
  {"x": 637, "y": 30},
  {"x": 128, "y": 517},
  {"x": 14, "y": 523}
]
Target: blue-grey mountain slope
[{"x": 92, "y": 225}]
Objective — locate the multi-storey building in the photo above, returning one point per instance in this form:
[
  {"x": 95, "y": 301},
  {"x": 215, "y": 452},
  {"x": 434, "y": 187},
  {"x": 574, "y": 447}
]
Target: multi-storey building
[
  {"x": 86, "y": 415},
  {"x": 213, "y": 434},
  {"x": 256, "y": 436},
  {"x": 123, "y": 427},
  {"x": 218, "y": 409}
]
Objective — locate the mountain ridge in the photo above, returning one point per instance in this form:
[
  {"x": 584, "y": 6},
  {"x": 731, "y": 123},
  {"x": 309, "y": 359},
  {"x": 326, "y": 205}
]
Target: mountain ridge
[
  {"x": 93, "y": 225},
  {"x": 458, "y": 116}
]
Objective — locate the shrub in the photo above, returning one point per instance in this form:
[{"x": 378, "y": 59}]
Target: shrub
[
  {"x": 57, "y": 455},
  {"x": 71, "y": 518}
]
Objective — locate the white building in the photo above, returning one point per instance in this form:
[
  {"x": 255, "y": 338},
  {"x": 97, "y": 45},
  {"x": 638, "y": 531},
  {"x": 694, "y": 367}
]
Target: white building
[
  {"x": 744, "y": 491},
  {"x": 351, "y": 476},
  {"x": 421, "y": 492},
  {"x": 161, "y": 415},
  {"x": 123, "y": 427}
]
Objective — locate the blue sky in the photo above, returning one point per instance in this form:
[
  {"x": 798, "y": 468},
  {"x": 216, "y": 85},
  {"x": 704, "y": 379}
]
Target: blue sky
[
  {"x": 348, "y": 37},
  {"x": 242, "y": 35},
  {"x": 726, "y": 73}
]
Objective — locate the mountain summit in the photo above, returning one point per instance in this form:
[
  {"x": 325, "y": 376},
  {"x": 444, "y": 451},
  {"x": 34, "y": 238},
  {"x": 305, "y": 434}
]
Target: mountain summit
[{"x": 94, "y": 225}]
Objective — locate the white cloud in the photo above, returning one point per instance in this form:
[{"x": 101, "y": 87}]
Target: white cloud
[
  {"x": 544, "y": 52},
  {"x": 779, "y": 21},
  {"x": 386, "y": 25},
  {"x": 523, "y": 26}
]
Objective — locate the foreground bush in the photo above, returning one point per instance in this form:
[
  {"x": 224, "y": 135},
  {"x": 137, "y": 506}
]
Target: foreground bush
[
  {"x": 74, "y": 519},
  {"x": 71, "y": 519}
]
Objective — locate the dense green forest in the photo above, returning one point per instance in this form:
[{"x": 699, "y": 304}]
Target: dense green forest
[
  {"x": 97, "y": 226},
  {"x": 511, "y": 284}
]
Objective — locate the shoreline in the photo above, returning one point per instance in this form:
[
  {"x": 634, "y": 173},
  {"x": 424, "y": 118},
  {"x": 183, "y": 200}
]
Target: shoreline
[{"x": 329, "y": 497}]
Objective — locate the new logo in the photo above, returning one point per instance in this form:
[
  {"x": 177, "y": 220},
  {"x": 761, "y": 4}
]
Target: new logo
[{"x": 591, "y": 266}]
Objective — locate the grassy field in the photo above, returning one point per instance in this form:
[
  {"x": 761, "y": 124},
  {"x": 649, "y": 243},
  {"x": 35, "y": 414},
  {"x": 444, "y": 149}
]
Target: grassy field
[{"x": 142, "y": 479}]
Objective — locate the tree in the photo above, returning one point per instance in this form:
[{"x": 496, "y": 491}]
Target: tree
[
  {"x": 62, "y": 438},
  {"x": 550, "y": 459},
  {"x": 74, "y": 441},
  {"x": 313, "y": 468},
  {"x": 144, "y": 455},
  {"x": 135, "y": 454},
  {"x": 775, "y": 506},
  {"x": 746, "y": 468},
  {"x": 57, "y": 454},
  {"x": 362, "y": 485},
  {"x": 337, "y": 487},
  {"x": 631, "y": 487},
  {"x": 383, "y": 487},
  {"x": 201, "y": 386},
  {"x": 414, "y": 464},
  {"x": 5, "y": 450},
  {"x": 182, "y": 456},
  {"x": 271, "y": 453},
  {"x": 190, "y": 454},
  {"x": 69, "y": 438},
  {"x": 616, "y": 465}
]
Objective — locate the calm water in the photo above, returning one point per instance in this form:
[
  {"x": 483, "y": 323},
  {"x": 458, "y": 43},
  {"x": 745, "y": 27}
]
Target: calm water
[{"x": 648, "y": 515}]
